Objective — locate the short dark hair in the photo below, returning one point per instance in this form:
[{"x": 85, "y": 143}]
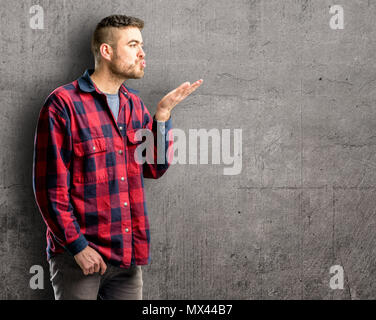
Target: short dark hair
[{"x": 103, "y": 33}]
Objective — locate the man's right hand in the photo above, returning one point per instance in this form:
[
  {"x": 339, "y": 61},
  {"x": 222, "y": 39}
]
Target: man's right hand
[{"x": 90, "y": 261}]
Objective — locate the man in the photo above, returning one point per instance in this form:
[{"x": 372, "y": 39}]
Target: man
[{"x": 87, "y": 182}]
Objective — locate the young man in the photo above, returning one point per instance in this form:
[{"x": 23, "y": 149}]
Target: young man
[{"x": 87, "y": 182}]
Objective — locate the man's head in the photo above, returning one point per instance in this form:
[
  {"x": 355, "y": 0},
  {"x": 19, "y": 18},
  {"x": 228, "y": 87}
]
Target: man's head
[{"x": 117, "y": 45}]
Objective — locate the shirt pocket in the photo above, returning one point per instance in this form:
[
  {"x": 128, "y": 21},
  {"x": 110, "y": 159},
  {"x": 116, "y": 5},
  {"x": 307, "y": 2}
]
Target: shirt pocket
[
  {"x": 90, "y": 161},
  {"x": 133, "y": 166}
]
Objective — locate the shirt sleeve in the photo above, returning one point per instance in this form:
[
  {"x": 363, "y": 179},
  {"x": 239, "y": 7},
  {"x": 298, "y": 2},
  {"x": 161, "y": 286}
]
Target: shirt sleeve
[
  {"x": 163, "y": 143},
  {"x": 51, "y": 175}
]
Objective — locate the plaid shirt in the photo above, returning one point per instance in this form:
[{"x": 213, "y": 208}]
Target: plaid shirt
[{"x": 87, "y": 184}]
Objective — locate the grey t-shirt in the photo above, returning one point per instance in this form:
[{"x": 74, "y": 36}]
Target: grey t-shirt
[{"x": 113, "y": 102}]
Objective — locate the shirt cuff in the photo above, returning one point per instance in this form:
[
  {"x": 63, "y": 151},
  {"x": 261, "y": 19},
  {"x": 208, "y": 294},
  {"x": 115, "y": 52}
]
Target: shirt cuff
[
  {"x": 162, "y": 126},
  {"x": 77, "y": 245}
]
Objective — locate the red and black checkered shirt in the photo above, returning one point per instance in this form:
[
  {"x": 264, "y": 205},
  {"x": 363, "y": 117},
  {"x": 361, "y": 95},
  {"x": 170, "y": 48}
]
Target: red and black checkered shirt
[{"x": 87, "y": 184}]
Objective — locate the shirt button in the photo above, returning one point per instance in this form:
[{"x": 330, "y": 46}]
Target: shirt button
[
  {"x": 126, "y": 229},
  {"x": 125, "y": 204},
  {"x": 121, "y": 128},
  {"x": 94, "y": 148},
  {"x": 122, "y": 178},
  {"x": 120, "y": 151}
]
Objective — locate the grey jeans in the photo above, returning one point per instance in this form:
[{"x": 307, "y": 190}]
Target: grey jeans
[{"x": 69, "y": 282}]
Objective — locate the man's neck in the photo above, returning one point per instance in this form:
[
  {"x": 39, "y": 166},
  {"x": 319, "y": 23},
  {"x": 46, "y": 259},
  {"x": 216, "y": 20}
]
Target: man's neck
[{"x": 106, "y": 81}]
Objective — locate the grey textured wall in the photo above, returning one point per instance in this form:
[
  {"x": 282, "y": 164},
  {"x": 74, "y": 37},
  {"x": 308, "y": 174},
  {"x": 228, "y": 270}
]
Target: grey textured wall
[{"x": 304, "y": 96}]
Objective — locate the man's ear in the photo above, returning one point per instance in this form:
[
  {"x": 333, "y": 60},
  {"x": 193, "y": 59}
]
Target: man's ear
[{"x": 106, "y": 51}]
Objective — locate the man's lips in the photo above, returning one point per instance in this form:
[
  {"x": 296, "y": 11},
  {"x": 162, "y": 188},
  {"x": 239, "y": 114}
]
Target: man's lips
[{"x": 143, "y": 63}]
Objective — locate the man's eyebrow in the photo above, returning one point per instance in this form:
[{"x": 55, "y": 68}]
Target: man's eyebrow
[{"x": 134, "y": 41}]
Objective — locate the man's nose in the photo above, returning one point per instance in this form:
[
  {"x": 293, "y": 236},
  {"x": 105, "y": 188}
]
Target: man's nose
[{"x": 141, "y": 53}]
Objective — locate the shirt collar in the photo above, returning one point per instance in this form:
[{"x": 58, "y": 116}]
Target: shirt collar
[{"x": 86, "y": 84}]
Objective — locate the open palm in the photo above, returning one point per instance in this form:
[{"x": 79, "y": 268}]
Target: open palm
[{"x": 170, "y": 100}]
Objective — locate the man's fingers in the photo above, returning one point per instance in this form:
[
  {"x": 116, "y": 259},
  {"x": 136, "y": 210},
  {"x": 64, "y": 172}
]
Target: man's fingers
[
  {"x": 179, "y": 91},
  {"x": 90, "y": 261},
  {"x": 97, "y": 266},
  {"x": 198, "y": 83},
  {"x": 177, "y": 95},
  {"x": 86, "y": 271},
  {"x": 181, "y": 88},
  {"x": 188, "y": 88},
  {"x": 185, "y": 85},
  {"x": 193, "y": 87}
]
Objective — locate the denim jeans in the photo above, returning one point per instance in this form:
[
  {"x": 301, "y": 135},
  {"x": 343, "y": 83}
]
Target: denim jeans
[{"x": 69, "y": 282}]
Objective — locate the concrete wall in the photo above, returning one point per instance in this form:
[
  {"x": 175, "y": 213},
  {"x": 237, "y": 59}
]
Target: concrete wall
[{"x": 304, "y": 96}]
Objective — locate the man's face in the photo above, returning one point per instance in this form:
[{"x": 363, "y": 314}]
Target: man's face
[{"x": 128, "y": 60}]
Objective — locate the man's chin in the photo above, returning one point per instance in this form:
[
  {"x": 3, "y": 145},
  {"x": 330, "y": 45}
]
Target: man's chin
[
  {"x": 135, "y": 75},
  {"x": 129, "y": 75},
  {"x": 138, "y": 76}
]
